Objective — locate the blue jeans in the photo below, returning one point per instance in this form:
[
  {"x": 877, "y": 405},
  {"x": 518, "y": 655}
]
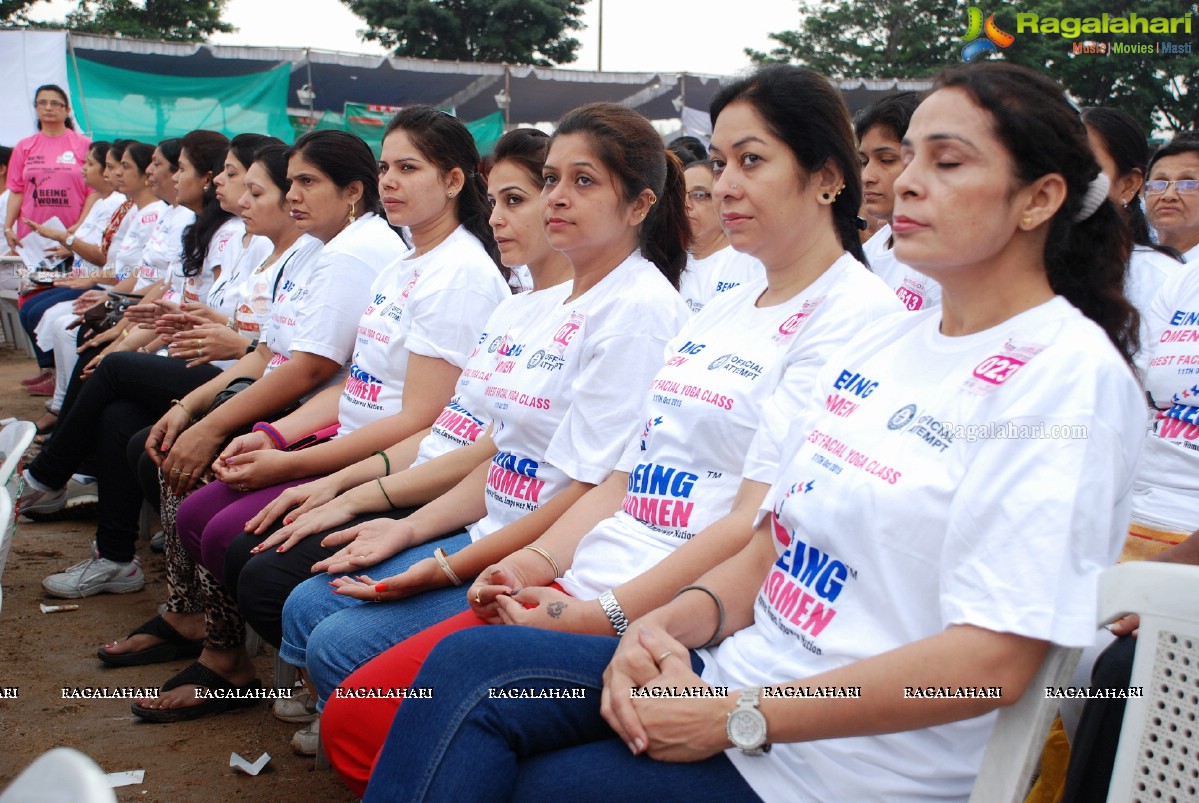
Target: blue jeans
[
  {"x": 464, "y": 745},
  {"x": 332, "y": 635}
]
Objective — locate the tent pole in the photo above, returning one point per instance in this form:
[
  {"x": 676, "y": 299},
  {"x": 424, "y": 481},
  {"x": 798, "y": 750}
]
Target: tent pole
[{"x": 79, "y": 81}]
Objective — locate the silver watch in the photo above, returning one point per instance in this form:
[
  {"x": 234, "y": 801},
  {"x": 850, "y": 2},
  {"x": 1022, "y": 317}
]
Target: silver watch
[
  {"x": 746, "y": 727},
  {"x": 615, "y": 613}
]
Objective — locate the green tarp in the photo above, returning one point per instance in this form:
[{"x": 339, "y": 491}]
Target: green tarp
[
  {"x": 115, "y": 103},
  {"x": 368, "y": 121}
]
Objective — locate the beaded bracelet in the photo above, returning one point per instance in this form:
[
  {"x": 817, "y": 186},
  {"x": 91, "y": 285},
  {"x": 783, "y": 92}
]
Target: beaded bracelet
[{"x": 275, "y": 435}]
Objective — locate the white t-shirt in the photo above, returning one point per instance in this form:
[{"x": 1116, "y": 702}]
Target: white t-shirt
[
  {"x": 137, "y": 226},
  {"x": 706, "y": 406},
  {"x": 1166, "y": 495},
  {"x": 467, "y": 416},
  {"x": 321, "y": 297},
  {"x": 164, "y": 246},
  {"x": 225, "y": 242},
  {"x": 431, "y": 305},
  {"x": 723, "y": 270},
  {"x": 915, "y": 290},
  {"x": 900, "y": 518},
  {"x": 566, "y": 396},
  {"x": 1192, "y": 255},
  {"x": 239, "y": 261},
  {"x": 521, "y": 281},
  {"x": 91, "y": 230},
  {"x": 1148, "y": 269}
]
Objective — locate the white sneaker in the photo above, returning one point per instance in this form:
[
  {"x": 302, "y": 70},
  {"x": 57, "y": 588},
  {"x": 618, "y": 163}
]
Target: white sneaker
[
  {"x": 307, "y": 741},
  {"x": 96, "y": 575},
  {"x": 51, "y": 505},
  {"x": 299, "y": 708}
]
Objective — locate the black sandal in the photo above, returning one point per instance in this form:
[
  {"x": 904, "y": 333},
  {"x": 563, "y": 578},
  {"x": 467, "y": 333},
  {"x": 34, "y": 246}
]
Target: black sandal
[
  {"x": 199, "y": 675},
  {"x": 175, "y": 645}
]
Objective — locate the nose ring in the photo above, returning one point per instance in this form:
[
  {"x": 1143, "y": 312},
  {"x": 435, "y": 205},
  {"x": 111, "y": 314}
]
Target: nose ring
[{"x": 734, "y": 187}]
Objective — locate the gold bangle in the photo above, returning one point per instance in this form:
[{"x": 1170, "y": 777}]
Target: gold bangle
[
  {"x": 546, "y": 555},
  {"x": 439, "y": 553},
  {"x": 385, "y": 494}
]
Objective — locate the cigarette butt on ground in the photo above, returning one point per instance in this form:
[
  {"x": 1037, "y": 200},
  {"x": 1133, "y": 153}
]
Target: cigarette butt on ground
[{"x": 58, "y": 608}]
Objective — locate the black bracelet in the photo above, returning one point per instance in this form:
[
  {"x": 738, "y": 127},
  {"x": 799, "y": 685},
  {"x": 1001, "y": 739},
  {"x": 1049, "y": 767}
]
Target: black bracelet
[
  {"x": 719, "y": 609},
  {"x": 386, "y": 461}
]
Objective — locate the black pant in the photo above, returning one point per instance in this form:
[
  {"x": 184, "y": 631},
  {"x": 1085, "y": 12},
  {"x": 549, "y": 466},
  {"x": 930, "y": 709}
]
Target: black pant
[
  {"x": 263, "y": 582},
  {"x": 127, "y": 393},
  {"x": 1093, "y": 748}
]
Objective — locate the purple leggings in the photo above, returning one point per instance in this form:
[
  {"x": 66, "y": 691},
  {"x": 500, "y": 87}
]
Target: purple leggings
[{"x": 213, "y": 516}]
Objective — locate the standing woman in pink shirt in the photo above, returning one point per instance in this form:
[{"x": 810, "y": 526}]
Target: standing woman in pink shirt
[{"x": 44, "y": 178}]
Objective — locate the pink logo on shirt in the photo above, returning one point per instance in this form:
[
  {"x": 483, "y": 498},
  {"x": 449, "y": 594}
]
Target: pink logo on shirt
[
  {"x": 791, "y": 325},
  {"x": 910, "y": 298},
  {"x": 565, "y": 334},
  {"x": 997, "y": 369}
]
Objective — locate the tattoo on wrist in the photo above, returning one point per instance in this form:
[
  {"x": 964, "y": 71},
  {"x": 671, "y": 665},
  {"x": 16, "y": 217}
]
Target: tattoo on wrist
[{"x": 555, "y": 609}]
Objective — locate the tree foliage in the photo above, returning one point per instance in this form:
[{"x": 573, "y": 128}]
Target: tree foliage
[
  {"x": 1160, "y": 90},
  {"x": 13, "y": 12},
  {"x": 512, "y": 31},
  {"x": 871, "y": 38},
  {"x": 881, "y": 39},
  {"x": 172, "y": 20}
]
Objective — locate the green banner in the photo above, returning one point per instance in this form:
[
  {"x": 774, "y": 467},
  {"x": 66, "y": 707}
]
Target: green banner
[
  {"x": 114, "y": 103},
  {"x": 368, "y": 121}
]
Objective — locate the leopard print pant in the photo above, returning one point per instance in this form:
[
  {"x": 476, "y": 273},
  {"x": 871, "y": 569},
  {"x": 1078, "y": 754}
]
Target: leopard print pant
[{"x": 192, "y": 588}]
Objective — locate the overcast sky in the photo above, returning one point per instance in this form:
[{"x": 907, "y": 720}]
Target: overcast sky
[{"x": 639, "y": 35}]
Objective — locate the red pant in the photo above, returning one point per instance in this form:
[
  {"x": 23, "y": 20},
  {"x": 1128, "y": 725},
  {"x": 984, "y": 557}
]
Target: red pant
[{"x": 353, "y": 729}]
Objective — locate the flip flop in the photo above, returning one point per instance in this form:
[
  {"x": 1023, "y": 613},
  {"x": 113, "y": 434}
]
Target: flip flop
[
  {"x": 176, "y": 646},
  {"x": 199, "y": 675}
]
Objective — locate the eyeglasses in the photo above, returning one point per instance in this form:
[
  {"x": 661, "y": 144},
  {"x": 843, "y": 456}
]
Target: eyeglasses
[
  {"x": 1184, "y": 186},
  {"x": 52, "y": 104},
  {"x": 699, "y": 196}
]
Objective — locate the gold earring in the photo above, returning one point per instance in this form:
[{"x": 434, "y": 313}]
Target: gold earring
[
  {"x": 838, "y": 193},
  {"x": 451, "y": 194},
  {"x": 1026, "y": 222},
  {"x": 352, "y": 216}
]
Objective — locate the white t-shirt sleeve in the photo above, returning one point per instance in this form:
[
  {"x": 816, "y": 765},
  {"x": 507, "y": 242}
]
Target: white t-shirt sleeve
[
  {"x": 597, "y": 427},
  {"x": 1012, "y": 565},
  {"x": 446, "y": 324},
  {"x": 339, "y": 294}
]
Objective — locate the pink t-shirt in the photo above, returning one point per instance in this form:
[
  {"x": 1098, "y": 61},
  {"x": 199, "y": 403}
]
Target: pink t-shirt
[{"x": 49, "y": 171}]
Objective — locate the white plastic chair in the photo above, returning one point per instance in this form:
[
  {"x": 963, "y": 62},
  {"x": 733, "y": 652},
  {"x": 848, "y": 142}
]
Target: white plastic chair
[
  {"x": 8, "y": 523},
  {"x": 1159, "y": 741},
  {"x": 1014, "y": 752},
  {"x": 62, "y": 775},
  {"x": 14, "y": 440}
]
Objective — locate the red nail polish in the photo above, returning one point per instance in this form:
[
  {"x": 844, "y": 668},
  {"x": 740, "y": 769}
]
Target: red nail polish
[{"x": 381, "y": 587}]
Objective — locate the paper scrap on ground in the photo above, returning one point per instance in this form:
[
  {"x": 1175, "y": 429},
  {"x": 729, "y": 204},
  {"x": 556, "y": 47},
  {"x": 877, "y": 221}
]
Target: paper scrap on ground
[
  {"x": 239, "y": 763},
  {"x": 129, "y": 778},
  {"x": 58, "y": 608}
]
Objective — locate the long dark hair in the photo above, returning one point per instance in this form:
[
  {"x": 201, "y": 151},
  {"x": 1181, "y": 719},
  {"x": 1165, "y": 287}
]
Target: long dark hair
[
  {"x": 1085, "y": 260},
  {"x": 344, "y": 158},
  {"x": 1126, "y": 144},
  {"x": 70, "y": 121},
  {"x": 206, "y": 151},
  {"x": 140, "y": 153},
  {"x": 273, "y": 157},
  {"x": 244, "y": 146},
  {"x": 807, "y": 113},
  {"x": 525, "y": 147},
  {"x": 633, "y": 152},
  {"x": 447, "y": 143},
  {"x": 171, "y": 147},
  {"x": 99, "y": 151}
]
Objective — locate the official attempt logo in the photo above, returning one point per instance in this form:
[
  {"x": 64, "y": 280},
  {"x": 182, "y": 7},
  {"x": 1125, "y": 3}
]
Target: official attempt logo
[{"x": 994, "y": 41}]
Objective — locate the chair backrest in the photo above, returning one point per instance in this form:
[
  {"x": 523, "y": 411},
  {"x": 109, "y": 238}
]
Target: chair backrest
[
  {"x": 1156, "y": 758},
  {"x": 8, "y": 523},
  {"x": 62, "y": 775},
  {"x": 14, "y": 440},
  {"x": 1014, "y": 751}
]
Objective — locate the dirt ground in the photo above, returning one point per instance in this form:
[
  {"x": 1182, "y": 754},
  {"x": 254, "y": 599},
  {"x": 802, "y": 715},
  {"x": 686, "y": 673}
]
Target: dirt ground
[{"x": 40, "y": 654}]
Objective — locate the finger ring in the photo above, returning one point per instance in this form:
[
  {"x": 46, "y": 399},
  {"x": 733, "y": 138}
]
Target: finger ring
[
  {"x": 174, "y": 471},
  {"x": 664, "y": 656},
  {"x": 185, "y": 474},
  {"x": 200, "y": 352},
  {"x": 478, "y": 597},
  {"x": 378, "y": 598}
]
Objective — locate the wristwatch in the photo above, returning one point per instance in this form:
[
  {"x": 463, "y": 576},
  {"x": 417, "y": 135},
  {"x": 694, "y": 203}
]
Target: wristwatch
[
  {"x": 69, "y": 241},
  {"x": 746, "y": 725}
]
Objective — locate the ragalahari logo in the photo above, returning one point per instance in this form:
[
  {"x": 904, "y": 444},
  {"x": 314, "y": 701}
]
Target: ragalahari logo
[{"x": 995, "y": 38}]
